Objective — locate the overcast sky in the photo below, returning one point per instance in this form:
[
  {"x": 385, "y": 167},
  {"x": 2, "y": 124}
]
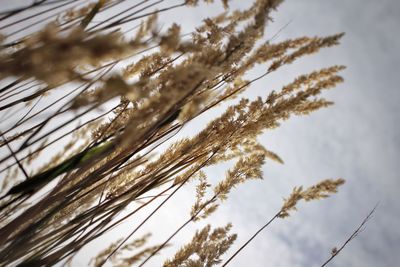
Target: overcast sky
[{"x": 357, "y": 139}]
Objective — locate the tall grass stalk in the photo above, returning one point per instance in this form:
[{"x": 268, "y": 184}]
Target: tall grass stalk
[{"x": 92, "y": 93}]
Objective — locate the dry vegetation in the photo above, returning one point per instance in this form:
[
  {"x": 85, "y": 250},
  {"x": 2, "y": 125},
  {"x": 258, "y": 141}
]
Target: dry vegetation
[{"x": 101, "y": 101}]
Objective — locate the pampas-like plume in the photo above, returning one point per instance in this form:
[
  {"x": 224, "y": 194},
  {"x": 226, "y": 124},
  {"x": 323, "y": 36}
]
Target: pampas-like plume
[{"x": 115, "y": 97}]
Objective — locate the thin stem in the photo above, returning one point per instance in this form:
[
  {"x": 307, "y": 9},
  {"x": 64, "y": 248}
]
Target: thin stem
[
  {"x": 250, "y": 239},
  {"x": 335, "y": 251}
]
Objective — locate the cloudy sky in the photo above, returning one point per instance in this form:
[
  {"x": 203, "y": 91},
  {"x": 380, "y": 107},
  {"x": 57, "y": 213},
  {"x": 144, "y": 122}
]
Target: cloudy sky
[{"x": 358, "y": 139}]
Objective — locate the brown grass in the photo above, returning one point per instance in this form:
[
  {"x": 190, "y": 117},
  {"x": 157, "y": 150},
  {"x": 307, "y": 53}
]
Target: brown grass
[{"x": 116, "y": 98}]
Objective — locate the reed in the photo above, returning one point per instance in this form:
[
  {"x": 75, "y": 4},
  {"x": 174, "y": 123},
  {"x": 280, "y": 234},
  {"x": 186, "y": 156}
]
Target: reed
[{"x": 101, "y": 90}]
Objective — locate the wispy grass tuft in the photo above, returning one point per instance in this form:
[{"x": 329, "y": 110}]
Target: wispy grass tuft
[{"x": 92, "y": 94}]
